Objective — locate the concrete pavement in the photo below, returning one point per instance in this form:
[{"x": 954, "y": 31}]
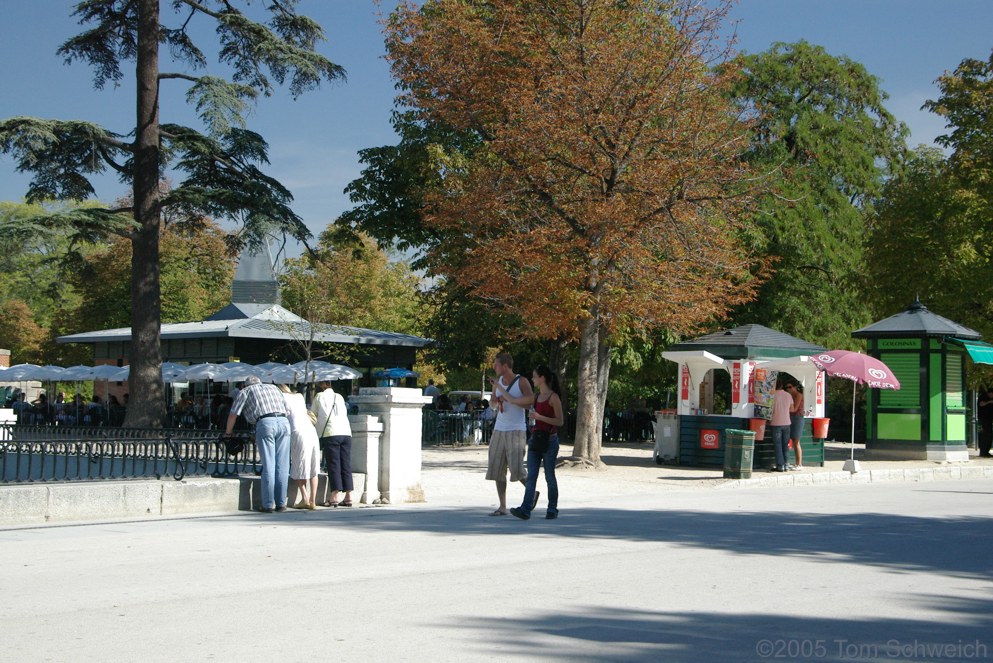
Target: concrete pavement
[{"x": 637, "y": 568}]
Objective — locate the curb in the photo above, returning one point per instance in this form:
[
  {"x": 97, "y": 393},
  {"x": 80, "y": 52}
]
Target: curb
[{"x": 915, "y": 474}]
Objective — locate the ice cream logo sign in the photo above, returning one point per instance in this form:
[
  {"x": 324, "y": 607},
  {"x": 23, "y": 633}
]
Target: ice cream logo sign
[
  {"x": 709, "y": 439},
  {"x": 878, "y": 374},
  {"x": 736, "y": 383},
  {"x": 684, "y": 383}
]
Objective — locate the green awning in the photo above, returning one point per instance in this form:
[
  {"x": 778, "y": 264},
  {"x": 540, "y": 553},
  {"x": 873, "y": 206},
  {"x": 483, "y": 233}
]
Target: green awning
[{"x": 979, "y": 352}]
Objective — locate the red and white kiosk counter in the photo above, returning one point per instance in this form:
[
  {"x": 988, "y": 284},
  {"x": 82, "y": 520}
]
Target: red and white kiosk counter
[{"x": 716, "y": 394}]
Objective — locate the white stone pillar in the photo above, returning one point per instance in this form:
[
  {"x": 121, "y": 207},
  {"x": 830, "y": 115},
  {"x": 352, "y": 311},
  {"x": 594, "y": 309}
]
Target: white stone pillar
[
  {"x": 399, "y": 409},
  {"x": 366, "y": 434}
]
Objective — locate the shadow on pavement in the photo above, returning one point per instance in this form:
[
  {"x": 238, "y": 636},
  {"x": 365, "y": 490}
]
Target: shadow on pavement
[
  {"x": 957, "y": 546},
  {"x": 639, "y": 635}
]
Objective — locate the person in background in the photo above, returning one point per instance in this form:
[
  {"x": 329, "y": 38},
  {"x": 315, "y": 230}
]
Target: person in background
[
  {"x": 223, "y": 410},
  {"x": 432, "y": 391},
  {"x": 263, "y": 406},
  {"x": 985, "y": 415},
  {"x": 780, "y": 424},
  {"x": 43, "y": 411},
  {"x": 116, "y": 410},
  {"x": 547, "y": 416},
  {"x": 336, "y": 439},
  {"x": 305, "y": 449},
  {"x": 796, "y": 421},
  {"x": 511, "y": 396}
]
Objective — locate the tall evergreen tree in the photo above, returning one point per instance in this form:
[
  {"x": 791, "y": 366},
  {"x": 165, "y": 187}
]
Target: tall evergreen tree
[{"x": 220, "y": 164}]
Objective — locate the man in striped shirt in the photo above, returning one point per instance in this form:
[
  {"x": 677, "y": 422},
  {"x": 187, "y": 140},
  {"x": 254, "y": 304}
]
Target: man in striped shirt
[{"x": 262, "y": 405}]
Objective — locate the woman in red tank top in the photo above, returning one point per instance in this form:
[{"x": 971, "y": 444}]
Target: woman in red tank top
[{"x": 546, "y": 416}]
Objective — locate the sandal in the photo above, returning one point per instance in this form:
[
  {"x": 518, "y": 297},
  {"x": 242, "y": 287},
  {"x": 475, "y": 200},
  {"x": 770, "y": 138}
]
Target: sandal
[
  {"x": 329, "y": 503},
  {"x": 498, "y": 512},
  {"x": 345, "y": 503}
]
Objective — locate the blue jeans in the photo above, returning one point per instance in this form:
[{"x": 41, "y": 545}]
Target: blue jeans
[
  {"x": 781, "y": 442},
  {"x": 535, "y": 461},
  {"x": 272, "y": 436}
]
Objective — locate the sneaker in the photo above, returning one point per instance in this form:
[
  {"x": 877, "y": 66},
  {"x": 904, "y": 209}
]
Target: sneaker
[
  {"x": 281, "y": 509},
  {"x": 265, "y": 509},
  {"x": 517, "y": 512},
  {"x": 551, "y": 515},
  {"x": 798, "y": 468}
]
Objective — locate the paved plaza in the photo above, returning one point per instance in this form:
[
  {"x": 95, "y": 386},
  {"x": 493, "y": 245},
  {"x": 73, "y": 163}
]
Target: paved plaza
[{"x": 644, "y": 564}]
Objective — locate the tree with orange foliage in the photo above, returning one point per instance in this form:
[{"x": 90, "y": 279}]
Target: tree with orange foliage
[{"x": 604, "y": 199}]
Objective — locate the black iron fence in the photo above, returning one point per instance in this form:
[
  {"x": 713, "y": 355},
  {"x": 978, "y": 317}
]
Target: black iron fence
[
  {"x": 455, "y": 428},
  {"x": 70, "y": 453}
]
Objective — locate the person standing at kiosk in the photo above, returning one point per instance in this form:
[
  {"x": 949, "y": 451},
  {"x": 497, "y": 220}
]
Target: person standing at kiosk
[
  {"x": 796, "y": 421},
  {"x": 782, "y": 402}
]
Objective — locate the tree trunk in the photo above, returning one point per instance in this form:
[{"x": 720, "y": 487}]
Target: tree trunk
[
  {"x": 557, "y": 362},
  {"x": 146, "y": 407},
  {"x": 589, "y": 408}
]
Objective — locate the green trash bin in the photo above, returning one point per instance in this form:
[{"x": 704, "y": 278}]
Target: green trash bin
[{"x": 739, "y": 448}]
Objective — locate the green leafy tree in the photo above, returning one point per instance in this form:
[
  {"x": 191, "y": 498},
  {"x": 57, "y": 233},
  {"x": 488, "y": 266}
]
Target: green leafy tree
[
  {"x": 928, "y": 240},
  {"x": 222, "y": 178},
  {"x": 966, "y": 103},
  {"x": 826, "y": 142},
  {"x": 389, "y": 196},
  {"x": 20, "y": 334},
  {"x": 353, "y": 283},
  {"x": 196, "y": 274},
  {"x": 33, "y": 258},
  {"x": 931, "y": 232}
]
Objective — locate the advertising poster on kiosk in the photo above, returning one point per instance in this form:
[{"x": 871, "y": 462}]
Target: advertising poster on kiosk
[{"x": 763, "y": 387}]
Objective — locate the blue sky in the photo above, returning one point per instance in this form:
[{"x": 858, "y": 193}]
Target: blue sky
[{"x": 314, "y": 140}]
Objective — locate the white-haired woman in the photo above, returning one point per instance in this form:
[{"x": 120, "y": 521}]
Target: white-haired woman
[{"x": 305, "y": 449}]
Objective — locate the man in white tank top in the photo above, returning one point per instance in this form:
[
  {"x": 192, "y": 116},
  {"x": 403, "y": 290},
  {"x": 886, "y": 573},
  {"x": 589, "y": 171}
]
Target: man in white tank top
[{"x": 511, "y": 397}]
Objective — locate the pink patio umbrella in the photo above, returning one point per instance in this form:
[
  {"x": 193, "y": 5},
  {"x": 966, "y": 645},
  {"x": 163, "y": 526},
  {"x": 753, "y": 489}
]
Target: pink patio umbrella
[{"x": 860, "y": 369}]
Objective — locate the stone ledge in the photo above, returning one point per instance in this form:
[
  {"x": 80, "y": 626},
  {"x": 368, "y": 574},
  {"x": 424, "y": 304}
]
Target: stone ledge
[{"x": 56, "y": 503}]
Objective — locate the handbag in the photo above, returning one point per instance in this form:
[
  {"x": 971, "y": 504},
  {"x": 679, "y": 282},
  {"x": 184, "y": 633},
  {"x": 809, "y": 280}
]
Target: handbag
[
  {"x": 232, "y": 445},
  {"x": 540, "y": 440}
]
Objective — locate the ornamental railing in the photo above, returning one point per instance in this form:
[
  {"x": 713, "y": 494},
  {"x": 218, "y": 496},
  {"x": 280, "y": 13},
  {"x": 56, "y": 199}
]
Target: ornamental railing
[
  {"x": 455, "y": 428},
  {"x": 31, "y": 454}
]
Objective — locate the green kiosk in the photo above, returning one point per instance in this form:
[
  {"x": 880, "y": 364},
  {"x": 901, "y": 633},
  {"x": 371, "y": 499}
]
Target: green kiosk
[{"x": 927, "y": 418}]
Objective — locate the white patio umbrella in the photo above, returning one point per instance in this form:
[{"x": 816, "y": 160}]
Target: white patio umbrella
[
  {"x": 312, "y": 364},
  {"x": 21, "y": 372},
  {"x": 121, "y": 375},
  {"x": 206, "y": 371},
  {"x": 271, "y": 365},
  {"x": 326, "y": 371},
  {"x": 49, "y": 373},
  {"x": 104, "y": 372},
  {"x": 78, "y": 373},
  {"x": 173, "y": 373},
  {"x": 240, "y": 372}
]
